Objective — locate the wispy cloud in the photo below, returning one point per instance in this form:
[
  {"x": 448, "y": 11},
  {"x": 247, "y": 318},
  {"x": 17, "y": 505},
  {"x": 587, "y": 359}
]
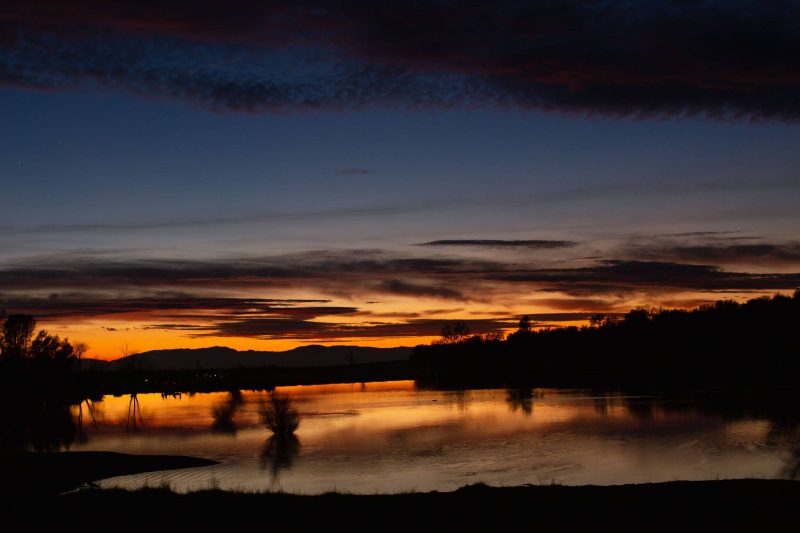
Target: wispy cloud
[
  {"x": 353, "y": 171},
  {"x": 76, "y": 305},
  {"x": 765, "y": 254},
  {"x": 713, "y": 58},
  {"x": 377, "y": 272},
  {"x": 404, "y": 288},
  {"x": 253, "y": 218},
  {"x": 272, "y": 328},
  {"x": 620, "y": 276},
  {"x": 184, "y": 295},
  {"x": 432, "y": 204},
  {"x": 500, "y": 243}
]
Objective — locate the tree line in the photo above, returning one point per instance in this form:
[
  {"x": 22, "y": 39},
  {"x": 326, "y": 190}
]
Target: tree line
[
  {"x": 754, "y": 344},
  {"x": 39, "y": 383},
  {"x": 18, "y": 342}
]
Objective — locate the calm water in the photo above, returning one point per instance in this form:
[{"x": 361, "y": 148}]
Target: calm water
[{"x": 390, "y": 437}]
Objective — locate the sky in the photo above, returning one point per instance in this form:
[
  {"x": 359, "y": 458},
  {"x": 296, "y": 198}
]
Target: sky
[{"x": 263, "y": 175}]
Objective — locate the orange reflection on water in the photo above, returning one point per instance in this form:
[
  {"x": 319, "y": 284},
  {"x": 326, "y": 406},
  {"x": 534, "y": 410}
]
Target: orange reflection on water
[
  {"x": 393, "y": 436},
  {"x": 333, "y": 388}
]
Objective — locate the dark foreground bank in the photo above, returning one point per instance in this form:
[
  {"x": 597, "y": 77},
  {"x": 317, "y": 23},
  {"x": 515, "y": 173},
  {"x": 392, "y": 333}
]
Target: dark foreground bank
[
  {"x": 35, "y": 475},
  {"x": 737, "y": 505}
]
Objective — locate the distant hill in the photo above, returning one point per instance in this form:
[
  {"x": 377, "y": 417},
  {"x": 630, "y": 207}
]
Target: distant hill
[{"x": 220, "y": 357}]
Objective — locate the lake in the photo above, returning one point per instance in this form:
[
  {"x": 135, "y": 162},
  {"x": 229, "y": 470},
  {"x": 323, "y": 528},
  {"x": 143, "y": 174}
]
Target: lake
[{"x": 394, "y": 436}]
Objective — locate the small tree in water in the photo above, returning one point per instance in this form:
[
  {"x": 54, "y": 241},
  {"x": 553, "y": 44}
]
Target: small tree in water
[{"x": 279, "y": 416}]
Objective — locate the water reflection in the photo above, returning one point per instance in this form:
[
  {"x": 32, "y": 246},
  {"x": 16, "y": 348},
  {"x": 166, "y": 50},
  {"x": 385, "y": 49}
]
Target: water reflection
[
  {"x": 94, "y": 411},
  {"x": 520, "y": 400},
  {"x": 395, "y": 437},
  {"x": 223, "y": 414},
  {"x": 278, "y": 453},
  {"x": 459, "y": 398},
  {"x": 223, "y": 418},
  {"x": 786, "y": 433},
  {"x": 36, "y": 423},
  {"x": 134, "y": 420}
]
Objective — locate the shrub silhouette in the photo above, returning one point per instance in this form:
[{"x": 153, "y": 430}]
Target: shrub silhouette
[
  {"x": 279, "y": 416},
  {"x": 222, "y": 414}
]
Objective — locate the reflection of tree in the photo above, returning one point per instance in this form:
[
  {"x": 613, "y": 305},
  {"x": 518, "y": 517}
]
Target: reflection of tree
[
  {"x": 224, "y": 412},
  {"x": 92, "y": 409},
  {"x": 643, "y": 408},
  {"x": 236, "y": 397},
  {"x": 457, "y": 397},
  {"x": 520, "y": 400},
  {"x": 33, "y": 422},
  {"x": 603, "y": 404},
  {"x": 279, "y": 452},
  {"x": 134, "y": 421},
  {"x": 282, "y": 419},
  {"x": 787, "y": 433},
  {"x": 53, "y": 428}
]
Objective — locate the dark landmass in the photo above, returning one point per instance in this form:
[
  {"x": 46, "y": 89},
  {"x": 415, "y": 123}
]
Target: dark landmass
[
  {"x": 725, "y": 346},
  {"x": 95, "y": 384},
  {"x": 41, "y": 473},
  {"x": 737, "y": 505},
  {"x": 222, "y": 358}
]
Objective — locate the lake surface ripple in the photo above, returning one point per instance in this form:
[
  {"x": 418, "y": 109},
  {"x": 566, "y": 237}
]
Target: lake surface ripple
[{"x": 394, "y": 436}]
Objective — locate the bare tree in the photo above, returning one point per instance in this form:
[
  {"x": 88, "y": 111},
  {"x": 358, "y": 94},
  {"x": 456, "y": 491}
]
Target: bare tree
[
  {"x": 127, "y": 352},
  {"x": 454, "y": 333},
  {"x": 79, "y": 349},
  {"x": 495, "y": 335}
]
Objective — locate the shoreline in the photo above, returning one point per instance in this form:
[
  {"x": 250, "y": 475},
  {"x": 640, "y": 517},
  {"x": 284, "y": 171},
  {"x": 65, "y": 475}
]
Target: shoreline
[
  {"x": 740, "y": 504},
  {"x": 731, "y": 505},
  {"x": 38, "y": 473}
]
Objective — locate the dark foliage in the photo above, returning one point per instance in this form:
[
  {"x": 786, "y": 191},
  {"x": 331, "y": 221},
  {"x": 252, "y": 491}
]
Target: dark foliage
[
  {"x": 751, "y": 345},
  {"x": 735, "y": 505},
  {"x": 38, "y": 385}
]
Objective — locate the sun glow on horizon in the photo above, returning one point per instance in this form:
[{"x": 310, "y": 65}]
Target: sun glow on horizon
[{"x": 117, "y": 336}]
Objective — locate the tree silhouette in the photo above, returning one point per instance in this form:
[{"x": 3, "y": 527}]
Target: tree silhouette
[
  {"x": 50, "y": 347},
  {"x": 726, "y": 344},
  {"x": 16, "y": 336},
  {"x": 454, "y": 333},
  {"x": 279, "y": 415}
]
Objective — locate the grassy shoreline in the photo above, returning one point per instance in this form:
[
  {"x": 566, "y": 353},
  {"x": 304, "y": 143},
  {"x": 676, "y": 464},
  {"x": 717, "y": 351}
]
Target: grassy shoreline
[
  {"x": 734, "y": 505},
  {"x": 33, "y": 482}
]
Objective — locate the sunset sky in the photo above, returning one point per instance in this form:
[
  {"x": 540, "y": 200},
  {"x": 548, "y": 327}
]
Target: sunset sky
[{"x": 270, "y": 174}]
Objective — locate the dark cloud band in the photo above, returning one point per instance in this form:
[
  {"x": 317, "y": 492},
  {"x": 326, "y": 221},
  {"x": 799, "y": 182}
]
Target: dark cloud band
[
  {"x": 714, "y": 58},
  {"x": 500, "y": 243}
]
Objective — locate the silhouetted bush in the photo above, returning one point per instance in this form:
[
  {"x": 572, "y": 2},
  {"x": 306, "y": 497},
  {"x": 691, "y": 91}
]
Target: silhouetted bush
[
  {"x": 223, "y": 414},
  {"x": 279, "y": 416}
]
